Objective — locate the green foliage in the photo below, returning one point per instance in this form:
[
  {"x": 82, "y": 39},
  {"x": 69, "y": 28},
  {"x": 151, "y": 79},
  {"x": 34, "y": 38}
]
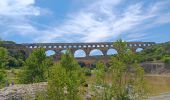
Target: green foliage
[
  {"x": 87, "y": 71},
  {"x": 3, "y": 62},
  {"x": 36, "y": 67},
  {"x": 166, "y": 59},
  {"x": 101, "y": 87},
  {"x": 2, "y": 77},
  {"x": 68, "y": 61},
  {"x": 100, "y": 73},
  {"x": 3, "y": 56},
  {"x": 65, "y": 79},
  {"x": 57, "y": 82},
  {"x": 155, "y": 53},
  {"x": 6, "y": 42},
  {"x": 127, "y": 77},
  {"x": 16, "y": 59}
]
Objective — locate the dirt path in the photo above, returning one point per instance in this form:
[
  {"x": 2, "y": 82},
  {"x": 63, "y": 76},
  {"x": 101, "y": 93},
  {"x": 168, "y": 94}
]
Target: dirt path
[{"x": 162, "y": 96}]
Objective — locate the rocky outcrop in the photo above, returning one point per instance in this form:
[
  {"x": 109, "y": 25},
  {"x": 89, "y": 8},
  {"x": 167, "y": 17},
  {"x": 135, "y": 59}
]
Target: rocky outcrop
[
  {"x": 156, "y": 67},
  {"x": 21, "y": 91}
]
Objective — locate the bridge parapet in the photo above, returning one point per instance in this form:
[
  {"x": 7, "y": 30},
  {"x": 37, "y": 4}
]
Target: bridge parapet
[{"x": 99, "y": 45}]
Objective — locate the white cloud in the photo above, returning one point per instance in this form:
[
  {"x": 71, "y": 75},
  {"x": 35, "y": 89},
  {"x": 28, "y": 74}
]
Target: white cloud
[
  {"x": 12, "y": 8},
  {"x": 15, "y": 17},
  {"x": 99, "y": 21}
]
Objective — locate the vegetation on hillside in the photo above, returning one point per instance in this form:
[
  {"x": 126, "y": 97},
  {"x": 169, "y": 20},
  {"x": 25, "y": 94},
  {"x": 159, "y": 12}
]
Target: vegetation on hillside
[
  {"x": 14, "y": 58},
  {"x": 6, "y": 42},
  {"x": 3, "y": 62},
  {"x": 159, "y": 52}
]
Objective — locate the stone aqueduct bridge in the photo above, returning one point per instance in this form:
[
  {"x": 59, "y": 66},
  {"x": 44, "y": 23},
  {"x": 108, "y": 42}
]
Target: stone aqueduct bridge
[{"x": 86, "y": 47}]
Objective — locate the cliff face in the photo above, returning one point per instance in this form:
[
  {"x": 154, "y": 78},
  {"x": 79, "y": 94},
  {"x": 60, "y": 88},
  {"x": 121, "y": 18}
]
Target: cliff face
[
  {"x": 22, "y": 91},
  {"x": 156, "y": 67}
]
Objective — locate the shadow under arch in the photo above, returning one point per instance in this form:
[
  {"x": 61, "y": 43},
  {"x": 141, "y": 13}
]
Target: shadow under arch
[
  {"x": 111, "y": 52},
  {"x": 96, "y": 52},
  {"x": 79, "y": 53},
  {"x": 82, "y": 64}
]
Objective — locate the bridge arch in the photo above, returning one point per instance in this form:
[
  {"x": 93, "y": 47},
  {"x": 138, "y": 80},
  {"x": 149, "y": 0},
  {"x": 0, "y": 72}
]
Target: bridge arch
[
  {"x": 111, "y": 51},
  {"x": 50, "y": 53},
  {"x": 79, "y": 53},
  {"x": 139, "y": 49},
  {"x": 63, "y": 51},
  {"x": 96, "y": 52}
]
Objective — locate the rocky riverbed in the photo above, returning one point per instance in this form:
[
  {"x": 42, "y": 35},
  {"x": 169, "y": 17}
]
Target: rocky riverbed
[
  {"x": 23, "y": 91},
  {"x": 17, "y": 92}
]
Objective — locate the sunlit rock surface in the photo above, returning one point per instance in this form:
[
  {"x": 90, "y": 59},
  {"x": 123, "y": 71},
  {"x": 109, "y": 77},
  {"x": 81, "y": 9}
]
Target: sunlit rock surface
[{"x": 17, "y": 92}]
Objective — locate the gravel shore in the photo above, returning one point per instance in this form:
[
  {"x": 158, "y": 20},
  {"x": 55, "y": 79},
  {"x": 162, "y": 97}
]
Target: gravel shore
[{"x": 17, "y": 92}]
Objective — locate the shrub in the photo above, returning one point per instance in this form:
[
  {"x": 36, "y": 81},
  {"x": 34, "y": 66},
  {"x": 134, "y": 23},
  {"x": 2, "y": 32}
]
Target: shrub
[
  {"x": 36, "y": 67},
  {"x": 87, "y": 71},
  {"x": 166, "y": 59}
]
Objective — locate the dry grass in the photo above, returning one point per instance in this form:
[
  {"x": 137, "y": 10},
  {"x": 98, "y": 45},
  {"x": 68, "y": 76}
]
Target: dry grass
[
  {"x": 158, "y": 84},
  {"x": 12, "y": 75}
]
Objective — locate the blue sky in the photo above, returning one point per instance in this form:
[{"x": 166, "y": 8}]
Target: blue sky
[{"x": 84, "y": 20}]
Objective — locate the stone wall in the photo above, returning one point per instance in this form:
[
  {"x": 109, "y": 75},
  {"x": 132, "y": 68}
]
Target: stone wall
[{"x": 156, "y": 67}]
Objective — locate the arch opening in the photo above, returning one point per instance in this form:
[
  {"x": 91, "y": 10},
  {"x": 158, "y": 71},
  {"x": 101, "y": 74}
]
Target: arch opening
[
  {"x": 111, "y": 52},
  {"x": 63, "y": 51},
  {"x": 96, "y": 52},
  {"x": 79, "y": 53},
  {"x": 50, "y": 53},
  {"x": 139, "y": 49}
]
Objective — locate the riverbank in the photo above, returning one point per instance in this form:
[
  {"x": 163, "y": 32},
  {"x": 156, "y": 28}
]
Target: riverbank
[{"x": 20, "y": 91}]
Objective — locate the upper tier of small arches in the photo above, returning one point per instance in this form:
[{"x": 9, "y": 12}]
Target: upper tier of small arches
[{"x": 85, "y": 45}]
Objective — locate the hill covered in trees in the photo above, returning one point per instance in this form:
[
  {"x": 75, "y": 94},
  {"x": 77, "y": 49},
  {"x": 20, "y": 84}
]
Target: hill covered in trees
[
  {"x": 6, "y": 42},
  {"x": 159, "y": 52}
]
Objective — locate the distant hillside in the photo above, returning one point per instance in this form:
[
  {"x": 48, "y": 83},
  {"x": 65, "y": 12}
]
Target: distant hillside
[
  {"x": 159, "y": 52},
  {"x": 7, "y": 42}
]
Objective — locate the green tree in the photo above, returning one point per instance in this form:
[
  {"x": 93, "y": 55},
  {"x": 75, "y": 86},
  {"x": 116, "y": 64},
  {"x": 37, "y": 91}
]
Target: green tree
[
  {"x": 155, "y": 53},
  {"x": 16, "y": 59},
  {"x": 36, "y": 67},
  {"x": 3, "y": 62},
  {"x": 101, "y": 87},
  {"x": 74, "y": 75},
  {"x": 3, "y": 56},
  {"x": 166, "y": 59},
  {"x": 127, "y": 75},
  {"x": 57, "y": 82},
  {"x": 2, "y": 77},
  {"x": 65, "y": 79}
]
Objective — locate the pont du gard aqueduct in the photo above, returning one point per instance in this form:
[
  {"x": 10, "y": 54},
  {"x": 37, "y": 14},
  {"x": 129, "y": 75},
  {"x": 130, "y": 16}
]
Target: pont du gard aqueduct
[{"x": 104, "y": 47}]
